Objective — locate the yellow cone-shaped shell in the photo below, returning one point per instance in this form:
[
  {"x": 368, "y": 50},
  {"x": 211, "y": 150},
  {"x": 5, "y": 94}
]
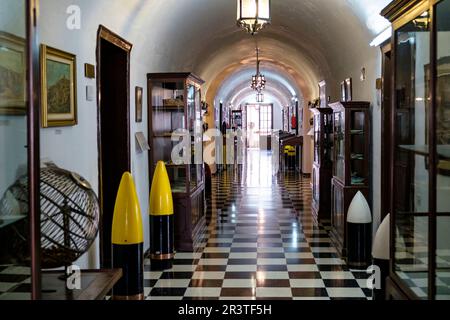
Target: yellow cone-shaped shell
[
  {"x": 161, "y": 202},
  {"x": 127, "y": 225}
]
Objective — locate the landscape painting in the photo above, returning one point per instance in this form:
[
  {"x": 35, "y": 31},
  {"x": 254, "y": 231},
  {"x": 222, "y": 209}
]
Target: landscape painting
[
  {"x": 12, "y": 75},
  {"x": 58, "y": 87},
  {"x": 58, "y": 71}
]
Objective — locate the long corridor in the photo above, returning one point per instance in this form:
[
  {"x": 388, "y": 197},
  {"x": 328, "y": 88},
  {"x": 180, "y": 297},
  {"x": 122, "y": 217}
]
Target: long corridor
[{"x": 260, "y": 242}]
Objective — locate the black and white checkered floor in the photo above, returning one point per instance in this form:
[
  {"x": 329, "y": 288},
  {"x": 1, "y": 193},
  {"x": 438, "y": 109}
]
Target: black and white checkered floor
[{"x": 260, "y": 242}]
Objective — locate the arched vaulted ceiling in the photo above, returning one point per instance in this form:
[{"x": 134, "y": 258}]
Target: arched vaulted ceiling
[
  {"x": 236, "y": 87},
  {"x": 305, "y": 40},
  {"x": 308, "y": 40}
]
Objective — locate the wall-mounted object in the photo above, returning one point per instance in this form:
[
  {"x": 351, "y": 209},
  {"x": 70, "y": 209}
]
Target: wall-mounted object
[
  {"x": 138, "y": 104},
  {"x": 90, "y": 93},
  {"x": 58, "y": 88},
  {"x": 323, "y": 94},
  {"x": 12, "y": 75},
  {"x": 141, "y": 142},
  {"x": 363, "y": 74},
  {"x": 379, "y": 84},
  {"x": 343, "y": 92},
  {"x": 348, "y": 89},
  {"x": 89, "y": 71}
]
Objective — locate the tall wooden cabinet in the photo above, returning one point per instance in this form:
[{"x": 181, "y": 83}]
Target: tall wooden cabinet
[
  {"x": 176, "y": 137},
  {"x": 351, "y": 131},
  {"x": 323, "y": 162},
  {"x": 420, "y": 150}
]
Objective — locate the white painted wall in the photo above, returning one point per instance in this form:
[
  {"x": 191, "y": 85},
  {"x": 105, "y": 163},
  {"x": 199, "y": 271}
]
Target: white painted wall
[{"x": 75, "y": 148}]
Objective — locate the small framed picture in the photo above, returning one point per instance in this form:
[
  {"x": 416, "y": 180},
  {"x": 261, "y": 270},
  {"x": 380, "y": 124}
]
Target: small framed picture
[
  {"x": 58, "y": 88},
  {"x": 348, "y": 89},
  {"x": 139, "y": 92},
  {"x": 323, "y": 94},
  {"x": 343, "y": 92}
]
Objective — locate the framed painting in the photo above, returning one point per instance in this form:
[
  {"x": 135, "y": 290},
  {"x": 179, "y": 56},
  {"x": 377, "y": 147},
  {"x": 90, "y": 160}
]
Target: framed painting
[
  {"x": 323, "y": 94},
  {"x": 343, "y": 92},
  {"x": 348, "y": 89},
  {"x": 58, "y": 88},
  {"x": 12, "y": 75},
  {"x": 138, "y": 103}
]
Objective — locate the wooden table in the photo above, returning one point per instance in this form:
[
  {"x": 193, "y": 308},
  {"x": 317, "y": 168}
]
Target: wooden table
[{"x": 95, "y": 285}]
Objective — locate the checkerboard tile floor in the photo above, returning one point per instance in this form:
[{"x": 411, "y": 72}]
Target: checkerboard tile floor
[
  {"x": 15, "y": 283},
  {"x": 412, "y": 259},
  {"x": 260, "y": 242}
]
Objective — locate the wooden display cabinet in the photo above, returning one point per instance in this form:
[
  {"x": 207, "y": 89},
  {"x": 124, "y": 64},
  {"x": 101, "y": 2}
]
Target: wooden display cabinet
[
  {"x": 174, "y": 116},
  {"x": 323, "y": 162},
  {"x": 236, "y": 119},
  {"x": 419, "y": 152},
  {"x": 351, "y": 131}
]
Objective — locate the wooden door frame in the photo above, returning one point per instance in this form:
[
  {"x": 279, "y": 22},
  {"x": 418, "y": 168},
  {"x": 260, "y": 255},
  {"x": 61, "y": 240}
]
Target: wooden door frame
[
  {"x": 111, "y": 37},
  {"x": 33, "y": 137},
  {"x": 386, "y": 105}
]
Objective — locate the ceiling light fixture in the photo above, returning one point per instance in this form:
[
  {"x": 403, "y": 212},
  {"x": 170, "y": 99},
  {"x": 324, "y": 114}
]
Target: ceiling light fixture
[
  {"x": 253, "y": 15},
  {"x": 258, "y": 80},
  {"x": 260, "y": 97}
]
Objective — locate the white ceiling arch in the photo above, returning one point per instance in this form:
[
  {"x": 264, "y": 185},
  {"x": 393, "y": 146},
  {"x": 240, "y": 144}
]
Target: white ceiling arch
[{"x": 308, "y": 39}]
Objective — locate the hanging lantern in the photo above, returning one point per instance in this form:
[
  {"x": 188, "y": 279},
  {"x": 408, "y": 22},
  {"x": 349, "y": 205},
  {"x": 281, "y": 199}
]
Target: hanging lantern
[
  {"x": 253, "y": 15},
  {"x": 260, "y": 97},
  {"x": 258, "y": 80}
]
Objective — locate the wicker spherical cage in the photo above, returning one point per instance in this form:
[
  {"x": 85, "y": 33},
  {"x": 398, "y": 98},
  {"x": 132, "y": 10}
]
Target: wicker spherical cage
[{"x": 69, "y": 214}]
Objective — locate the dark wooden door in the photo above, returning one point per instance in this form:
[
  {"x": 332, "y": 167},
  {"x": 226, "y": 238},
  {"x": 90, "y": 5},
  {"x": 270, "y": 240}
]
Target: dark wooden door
[{"x": 113, "y": 55}]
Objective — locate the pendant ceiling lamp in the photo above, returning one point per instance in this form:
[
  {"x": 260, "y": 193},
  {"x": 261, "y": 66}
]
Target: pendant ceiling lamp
[
  {"x": 258, "y": 80},
  {"x": 260, "y": 97},
  {"x": 253, "y": 15}
]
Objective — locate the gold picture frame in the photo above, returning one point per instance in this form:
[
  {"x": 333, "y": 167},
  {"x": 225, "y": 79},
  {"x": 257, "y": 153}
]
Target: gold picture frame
[
  {"x": 58, "y": 88},
  {"x": 12, "y": 75}
]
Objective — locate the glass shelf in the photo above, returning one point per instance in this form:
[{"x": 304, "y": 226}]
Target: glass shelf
[
  {"x": 357, "y": 156},
  {"x": 443, "y": 151}
]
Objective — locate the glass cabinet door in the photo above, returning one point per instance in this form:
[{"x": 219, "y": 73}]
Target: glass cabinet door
[
  {"x": 339, "y": 144},
  {"x": 193, "y": 113},
  {"x": 317, "y": 138},
  {"x": 15, "y": 271},
  {"x": 328, "y": 139},
  {"x": 168, "y": 124},
  {"x": 198, "y": 136},
  {"x": 442, "y": 277},
  {"x": 357, "y": 148},
  {"x": 411, "y": 161}
]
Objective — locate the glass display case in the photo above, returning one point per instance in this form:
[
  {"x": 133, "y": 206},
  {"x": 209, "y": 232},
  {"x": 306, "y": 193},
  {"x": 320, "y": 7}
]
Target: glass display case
[
  {"x": 20, "y": 271},
  {"x": 322, "y": 165},
  {"x": 236, "y": 120},
  {"x": 176, "y": 137},
  {"x": 351, "y": 136},
  {"x": 419, "y": 152}
]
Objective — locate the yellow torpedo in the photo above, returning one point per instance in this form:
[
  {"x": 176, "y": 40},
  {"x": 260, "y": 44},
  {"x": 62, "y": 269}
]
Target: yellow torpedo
[
  {"x": 127, "y": 225},
  {"x": 161, "y": 202}
]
